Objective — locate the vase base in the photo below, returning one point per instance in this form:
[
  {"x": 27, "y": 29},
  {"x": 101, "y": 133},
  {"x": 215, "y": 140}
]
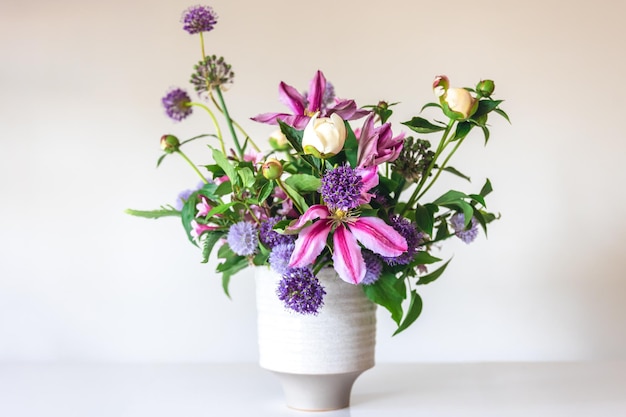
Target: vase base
[{"x": 323, "y": 392}]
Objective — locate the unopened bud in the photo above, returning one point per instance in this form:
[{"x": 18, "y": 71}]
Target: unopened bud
[
  {"x": 272, "y": 169},
  {"x": 169, "y": 143},
  {"x": 485, "y": 88}
]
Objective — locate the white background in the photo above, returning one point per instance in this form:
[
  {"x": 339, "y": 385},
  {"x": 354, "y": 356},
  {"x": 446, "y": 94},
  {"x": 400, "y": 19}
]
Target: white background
[{"x": 80, "y": 121}]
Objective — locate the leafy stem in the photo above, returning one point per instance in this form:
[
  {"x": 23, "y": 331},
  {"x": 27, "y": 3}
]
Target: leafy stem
[
  {"x": 237, "y": 125},
  {"x": 441, "y": 167},
  {"x": 442, "y": 145}
]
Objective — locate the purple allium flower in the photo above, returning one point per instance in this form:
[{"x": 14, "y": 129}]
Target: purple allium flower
[
  {"x": 341, "y": 188},
  {"x": 301, "y": 291},
  {"x": 198, "y": 19},
  {"x": 270, "y": 237},
  {"x": 468, "y": 235},
  {"x": 211, "y": 73},
  {"x": 279, "y": 257},
  {"x": 413, "y": 240},
  {"x": 243, "y": 238},
  {"x": 373, "y": 265},
  {"x": 176, "y": 103}
]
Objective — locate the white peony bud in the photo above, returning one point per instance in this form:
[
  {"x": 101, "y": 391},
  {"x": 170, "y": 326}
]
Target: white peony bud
[{"x": 324, "y": 137}]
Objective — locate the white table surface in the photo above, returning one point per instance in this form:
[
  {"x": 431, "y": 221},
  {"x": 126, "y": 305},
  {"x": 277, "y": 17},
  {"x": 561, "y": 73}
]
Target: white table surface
[{"x": 595, "y": 389}]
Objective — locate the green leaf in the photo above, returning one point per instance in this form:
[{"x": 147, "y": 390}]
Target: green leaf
[
  {"x": 462, "y": 129},
  {"x": 161, "y": 158},
  {"x": 351, "y": 146},
  {"x": 229, "y": 268},
  {"x": 424, "y": 217},
  {"x": 413, "y": 312},
  {"x": 421, "y": 125},
  {"x": 486, "y": 133},
  {"x": 425, "y": 106},
  {"x": 486, "y": 188},
  {"x": 153, "y": 214},
  {"x": 457, "y": 173},
  {"x": 296, "y": 197},
  {"x": 265, "y": 191},
  {"x": 247, "y": 177},
  {"x": 303, "y": 182},
  {"x": 224, "y": 188},
  {"x": 219, "y": 209},
  {"x": 210, "y": 239},
  {"x": 427, "y": 279},
  {"x": 424, "y": 258},
  {"x": 485, "y": 106},
  {"x": 479, "y": 199},
  {"x": 503, "y": 114},
  {"x": 451, "y": 196},
  {"x": 224, "y": 163},
  {"x": 389, "y": 292}
]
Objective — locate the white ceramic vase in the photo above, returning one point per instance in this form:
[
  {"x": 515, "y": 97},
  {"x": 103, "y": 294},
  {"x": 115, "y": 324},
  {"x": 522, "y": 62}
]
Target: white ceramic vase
[{"x": 316, "y": 358}]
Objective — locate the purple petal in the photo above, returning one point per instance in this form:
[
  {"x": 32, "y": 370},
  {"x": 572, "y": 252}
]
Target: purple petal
[
  {"x": 310, "y": 243},
  {"x": 314, "y": 212},
  {"x": 291, "y": 98},
  {"x": 367, "y": 143},
  {"x": 347, "y": 258},
  {"x": 270, "y": 118},
  {"x": 378, "y": 236},
  {"x": 347, "y": 109},
  {"x": 316, "y": 92}
]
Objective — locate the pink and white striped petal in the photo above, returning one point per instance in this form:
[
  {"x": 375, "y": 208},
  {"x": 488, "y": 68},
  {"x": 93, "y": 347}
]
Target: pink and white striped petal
[
  {"x": 310, "y": 243},
  {"x": 347, "y": 258},
  {"x": 314, "y": 212},
  {"x": 378, "y": 236}
]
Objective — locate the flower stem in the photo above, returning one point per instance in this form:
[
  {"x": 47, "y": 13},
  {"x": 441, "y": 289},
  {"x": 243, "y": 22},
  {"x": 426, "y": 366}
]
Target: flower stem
[
  {"x": 202, "y": 46},
  {"x": 417, "y": 192},
  {"x": 443, "y": 165},
  {"x": 229, "y": 122},
  {"x": 237, "y": 125},
  {"x": 195, "y": 168},
  {"x": 218, "y": 131}
]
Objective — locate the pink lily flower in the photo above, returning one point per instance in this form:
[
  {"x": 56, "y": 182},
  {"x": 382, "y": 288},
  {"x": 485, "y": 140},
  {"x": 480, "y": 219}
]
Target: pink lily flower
[
  {"x": 303, "y": 108},
  {"x": 377, "y": 144},
  {"x": 198, "y": 229},
  {"x": 372, "y": 232}
]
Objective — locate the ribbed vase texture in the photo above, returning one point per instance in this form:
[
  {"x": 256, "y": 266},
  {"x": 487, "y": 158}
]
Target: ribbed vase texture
[{"x": 340, "y": 339}]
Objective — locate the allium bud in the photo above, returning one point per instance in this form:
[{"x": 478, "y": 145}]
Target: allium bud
[
  {"x": 324, "y": 137},
  {"x": 485, "y": 88},
  {"x": 169, "y": 143},
  {"x": 272, "y": 169}
]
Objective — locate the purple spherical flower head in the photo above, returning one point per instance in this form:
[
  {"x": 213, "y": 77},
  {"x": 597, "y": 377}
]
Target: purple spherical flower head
[
  {"x": 198, "y": 19},
  {"x": 413, "y": 240},
  {"x": 280, "y": 256},
  {"x": 301, "y": 291},
  {"x": 269, "y": 237},
  {"x": 468, "y": 235},
  {"x": 341, "y": 188},
  {"x": 243, "y": 238},
  {"x": 176, "y": 103},
  {"x": 373, "y": 267}
]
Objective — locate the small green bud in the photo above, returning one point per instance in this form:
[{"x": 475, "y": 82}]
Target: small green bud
[
  {"x": 272, "y": 169},
  {"x": 169, "y": 143},
  {"x": 485, "y": 88}
]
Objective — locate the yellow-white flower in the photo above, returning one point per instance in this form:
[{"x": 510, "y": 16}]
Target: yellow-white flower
[{"x": 324, "y": 137}]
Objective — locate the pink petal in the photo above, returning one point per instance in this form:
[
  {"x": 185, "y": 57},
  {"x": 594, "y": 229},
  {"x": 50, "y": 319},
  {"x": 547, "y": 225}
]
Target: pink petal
[
  {"x": 291, "y": 98},
  {"x": 347, "y": 110},
  {"x": 378, "y": 236},
  {"x": 347, "y": 258},
  {"x": 367, "y": 143},
  {"x": 310, "y": 243},
  {"x": 369, "y": 177},
  {"x": 314, "y": 212},
  {"x": 316, "y": 92}
]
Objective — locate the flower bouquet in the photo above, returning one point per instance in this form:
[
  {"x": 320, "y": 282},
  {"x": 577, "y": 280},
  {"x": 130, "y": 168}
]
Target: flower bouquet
[{"x": 337, "y": 186}]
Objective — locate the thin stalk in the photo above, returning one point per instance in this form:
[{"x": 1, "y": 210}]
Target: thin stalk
[
  {"x": 237, "y": 125},
  {"x": 229, "y": 122},
  {"x": 195, "y": 168},
  {"x": 218, "y": 131},
  {"x": 202, "y": 46},
  {"x": 443, "y": 165},
  {"x": 440, "y": 148}
]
